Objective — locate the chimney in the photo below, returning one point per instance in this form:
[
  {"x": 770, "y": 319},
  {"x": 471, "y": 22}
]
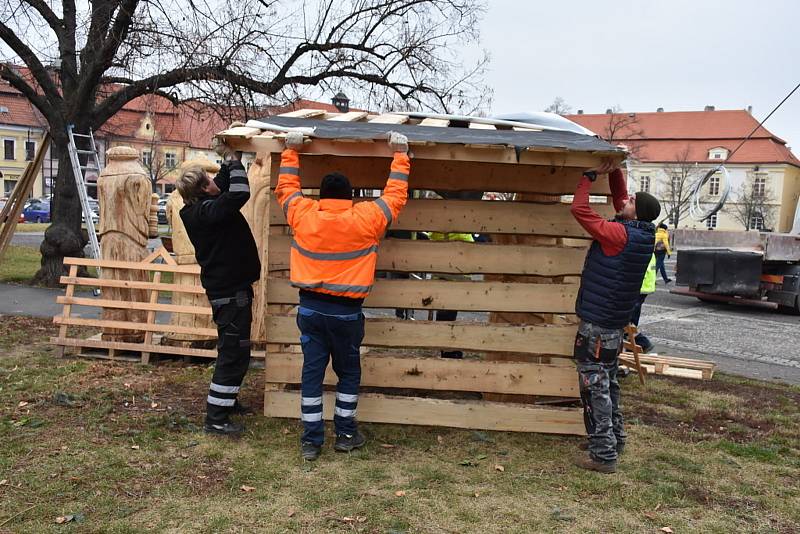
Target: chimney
[
  {"x": 660, "y": 110},
  {"x": 609, "y": 111},
  {"x": 580, "y": 112},
  {"x": 709, "y": 108},
  {"x": 750, "y": 109}
]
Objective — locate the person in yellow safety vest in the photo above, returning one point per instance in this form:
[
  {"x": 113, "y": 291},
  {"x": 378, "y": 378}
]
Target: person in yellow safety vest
[
  {"x": 648, "y": 287},
  {"x": 662, "y": 251},
  {"x": 449, "y": 315}
]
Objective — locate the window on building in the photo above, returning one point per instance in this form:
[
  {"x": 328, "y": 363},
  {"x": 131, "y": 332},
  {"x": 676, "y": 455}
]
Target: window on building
[
  {"x": 760, "y": 185},
  {"x": 757, "y": 222},
  {"x": 718, "y": 153},
  {"x": 711, "y": 222},
  {"x": 30, "y": 150},
  {"x": 713, "y": 185},
  {"x": 9, "y": 147},
  {"x": 9, "y": 185},
  {"x": 147, "y": 158},
  {"x": 170, "y": 160},
  {"x": 644, "y": 183}
]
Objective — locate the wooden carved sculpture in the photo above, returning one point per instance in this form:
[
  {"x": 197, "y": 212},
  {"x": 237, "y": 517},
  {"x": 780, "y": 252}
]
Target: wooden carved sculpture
[{"x": 124, "y": 193}]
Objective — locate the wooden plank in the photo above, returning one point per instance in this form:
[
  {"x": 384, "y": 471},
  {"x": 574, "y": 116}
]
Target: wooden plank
[
  {"x": 390, "y": 118},
  {"x": 304, "y": 113},
  {"x": 62, "y": 331},
  {"x": 436, "y": 123},
  {"x": 131, "y": 284},
  {"x": 458, "y": 257},
  {"x": 376, "y": 408},
  {"x": 463, "y": 296},
  {"x": 350, "y": 116},
  {"x": 371, "y": 173},
  {"x": 139, "y": 266},
  {"x": 129, "y": 325},
  {"x": 481, "y": 126},
  {"x": 529, "y": 339},
  {"x": 519, "y": 378},
  {"x": 483, "y": 217},
  {"x": 151, "y": 316},
  {"x": 442, "y": 152},
  {"x": 153, "y": 305},
  {"x": 137, "y": 347},
  {"x": 242, "y": 132}
]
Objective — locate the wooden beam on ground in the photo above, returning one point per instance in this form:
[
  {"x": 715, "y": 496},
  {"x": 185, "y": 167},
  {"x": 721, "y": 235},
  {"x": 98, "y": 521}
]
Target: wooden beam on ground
[
  {"x": 376, "y": 408},
  {"x": 448, "y": 295},
  {"x": 372, "y": 173},
  {"x": 533, "y": 339},
  {"x": 441, "y": 374},
  {"x": 458, "y": 257},
  {"x": 483, "y": 217}
]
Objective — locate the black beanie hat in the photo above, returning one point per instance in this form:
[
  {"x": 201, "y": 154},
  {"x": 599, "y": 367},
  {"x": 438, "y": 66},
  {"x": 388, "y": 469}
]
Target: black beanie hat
[
  {"x": 336, "y": 185},
  {"x": 647, "y": 207}
]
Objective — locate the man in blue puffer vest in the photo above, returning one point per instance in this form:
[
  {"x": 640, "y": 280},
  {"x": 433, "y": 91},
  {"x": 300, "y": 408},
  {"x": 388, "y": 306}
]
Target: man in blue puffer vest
[{"x": 612, "y": 277}]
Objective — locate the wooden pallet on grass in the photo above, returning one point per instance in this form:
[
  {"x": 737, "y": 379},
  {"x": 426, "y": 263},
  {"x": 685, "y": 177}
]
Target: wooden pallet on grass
[{"x": 671, "y": 366}]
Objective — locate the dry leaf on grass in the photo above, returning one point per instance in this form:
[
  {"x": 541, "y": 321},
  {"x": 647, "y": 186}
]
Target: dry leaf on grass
[
  {"x": 247, "y": 489},
  {"x": 3, "y": 482},
  {"x": 440, "y": 439},
  {"x": 154, "y": 405},
  {"x": 666, "y": 529},
  {"x": 22, "y": 404},
  {"x": 135, "y": 447},
  {"x": 291, "y": 512},
  {"x": 650, "y": 515},
  {"x": 500, "y": 468},
  {"x": 387, "y": 446},
  {"x": 400, "y": 493}
]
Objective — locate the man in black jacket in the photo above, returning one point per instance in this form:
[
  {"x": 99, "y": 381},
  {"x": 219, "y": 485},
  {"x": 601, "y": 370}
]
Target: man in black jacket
[{"x": 229, "y": 265}]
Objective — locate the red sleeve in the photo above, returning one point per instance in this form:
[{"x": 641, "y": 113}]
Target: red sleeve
[
  {"x": 611, "y": 235},
  {"x": 619, "y": 189}
]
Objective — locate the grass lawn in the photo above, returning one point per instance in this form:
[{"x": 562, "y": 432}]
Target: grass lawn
[
  {"x": 19, "y": 264},
  {"x": 25, "y": 228},
  {"x": 111, "y": 447}
]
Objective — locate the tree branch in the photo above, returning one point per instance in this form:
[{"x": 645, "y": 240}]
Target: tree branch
[{"x": 38, "y": 71}]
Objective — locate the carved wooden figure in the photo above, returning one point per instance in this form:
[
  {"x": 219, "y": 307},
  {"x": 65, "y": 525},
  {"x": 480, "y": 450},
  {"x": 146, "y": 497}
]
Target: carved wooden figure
[{"x": 124, "y": 193}]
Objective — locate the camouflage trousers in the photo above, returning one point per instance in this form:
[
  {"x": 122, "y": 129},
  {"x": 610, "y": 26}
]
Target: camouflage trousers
[{"x": 596, "y": 354}]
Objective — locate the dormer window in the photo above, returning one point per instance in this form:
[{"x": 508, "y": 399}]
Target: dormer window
[{"x": 718, "y": 153}]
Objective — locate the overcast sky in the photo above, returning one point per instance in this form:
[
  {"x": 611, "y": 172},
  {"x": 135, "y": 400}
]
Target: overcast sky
[{"x": 677, "y": 54}]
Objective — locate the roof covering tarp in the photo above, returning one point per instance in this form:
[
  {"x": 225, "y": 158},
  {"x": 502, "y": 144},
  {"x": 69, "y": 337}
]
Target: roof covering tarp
[{"x": 325, "y": 129}]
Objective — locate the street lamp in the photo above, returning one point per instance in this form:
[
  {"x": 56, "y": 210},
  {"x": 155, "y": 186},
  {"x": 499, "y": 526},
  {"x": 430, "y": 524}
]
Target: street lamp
[{"x": 341, "y": 102}]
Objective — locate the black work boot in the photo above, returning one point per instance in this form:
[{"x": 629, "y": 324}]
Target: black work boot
[
  {"x": 226, "y": 428},
  {"x": 310, "y": 451},
  {"x": 585, "y": 461},
  {"x": 347, "y": 442}
]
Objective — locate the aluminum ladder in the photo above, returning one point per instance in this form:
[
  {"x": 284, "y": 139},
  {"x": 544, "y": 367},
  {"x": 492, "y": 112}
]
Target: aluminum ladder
[{"x": 80, "y": 182}]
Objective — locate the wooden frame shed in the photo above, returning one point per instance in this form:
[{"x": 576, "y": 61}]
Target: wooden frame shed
[{"x": 517, "y": 374}]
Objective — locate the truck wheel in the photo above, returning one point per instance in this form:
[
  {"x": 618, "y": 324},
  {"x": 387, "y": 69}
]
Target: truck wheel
[{"x": 791, "y": 310}]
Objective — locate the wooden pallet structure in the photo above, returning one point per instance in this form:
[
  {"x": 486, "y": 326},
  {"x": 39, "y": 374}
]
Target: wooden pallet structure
[
  {"x": 157, "y": 264},
  {"x": 644, "y": 364},
  {"x": 519, "y": 367}
]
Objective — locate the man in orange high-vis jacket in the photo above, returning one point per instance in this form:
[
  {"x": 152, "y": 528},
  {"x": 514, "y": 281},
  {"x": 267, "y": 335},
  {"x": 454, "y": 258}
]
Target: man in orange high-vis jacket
[{"x": 332, "y": 261}]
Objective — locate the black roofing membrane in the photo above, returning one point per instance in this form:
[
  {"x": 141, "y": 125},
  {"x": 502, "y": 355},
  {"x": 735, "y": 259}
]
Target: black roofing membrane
[{"x": 449, "y": 135}]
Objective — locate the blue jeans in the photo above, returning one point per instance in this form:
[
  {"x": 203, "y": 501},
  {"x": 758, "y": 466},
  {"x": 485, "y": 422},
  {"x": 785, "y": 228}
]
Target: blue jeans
[{"x": 324, "y": 337}]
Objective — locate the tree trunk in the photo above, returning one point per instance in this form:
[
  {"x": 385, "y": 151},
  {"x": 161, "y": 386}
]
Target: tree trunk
[{"x": 64, "y": 236}]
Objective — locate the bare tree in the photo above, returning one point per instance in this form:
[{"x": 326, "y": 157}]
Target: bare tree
[
  {"x": 559, "y": 106},
  {"x": 84, "y": 61},
  {"x": 623, "y": 128},
  {"x": 752, "y": 207},
  {"x": 679, "y": 178}
]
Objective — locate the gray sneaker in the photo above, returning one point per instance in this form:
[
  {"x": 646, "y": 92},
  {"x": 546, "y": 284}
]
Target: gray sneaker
[
  {"x": 310, "y": 451},
  {"x": 347, "y": 442}
]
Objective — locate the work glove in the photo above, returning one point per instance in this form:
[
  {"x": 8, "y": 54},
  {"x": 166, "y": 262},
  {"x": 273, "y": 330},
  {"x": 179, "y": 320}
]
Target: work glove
[
  {"x": 294, "y": 140},
  {"x": 223, "y": 150},
  {"x": 398, "y": 142}
]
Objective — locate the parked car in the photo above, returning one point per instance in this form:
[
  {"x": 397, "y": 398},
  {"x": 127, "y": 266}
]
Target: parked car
[
  {"x": 95, "y": 217},
  {"x": 37, "y": 210},
  {"x": 162, "y": 211},
  {"x": 3, "y": 205}
]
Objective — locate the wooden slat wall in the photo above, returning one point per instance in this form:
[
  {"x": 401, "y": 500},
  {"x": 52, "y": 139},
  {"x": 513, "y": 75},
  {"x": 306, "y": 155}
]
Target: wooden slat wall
[
  {"x": 447, "y": 295},
  {"x": 458, "y": 257},
  {"x": 483, "y": 217}
]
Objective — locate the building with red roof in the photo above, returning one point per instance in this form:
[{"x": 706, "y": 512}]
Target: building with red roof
[{"x": 671, "y": 150}]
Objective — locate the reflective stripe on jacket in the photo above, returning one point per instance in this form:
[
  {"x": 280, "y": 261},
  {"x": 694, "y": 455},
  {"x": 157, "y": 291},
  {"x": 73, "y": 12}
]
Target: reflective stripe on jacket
[
  {"x": 335, "y": 245},
  {"x": 649, "y": 283}
]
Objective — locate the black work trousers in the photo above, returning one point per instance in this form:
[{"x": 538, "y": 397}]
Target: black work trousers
[{"x": 232, "y": 316}]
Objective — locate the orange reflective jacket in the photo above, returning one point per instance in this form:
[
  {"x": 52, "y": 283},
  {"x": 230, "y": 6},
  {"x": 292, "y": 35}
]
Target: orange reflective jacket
[{"x": 335, "y": 245}]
